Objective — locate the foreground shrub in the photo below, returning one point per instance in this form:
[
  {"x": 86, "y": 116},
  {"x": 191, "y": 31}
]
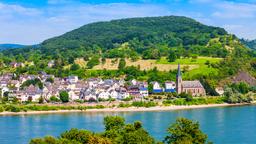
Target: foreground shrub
[
  {"x": 2, "y": 109},
  {"x": 184, "y": 131},
  {"x": 143, "y": 104}
]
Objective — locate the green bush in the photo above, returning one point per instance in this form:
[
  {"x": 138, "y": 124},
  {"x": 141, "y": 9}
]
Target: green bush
[
  {"x": 14, "y": 108},
  {"x": 2, "y": 109},
  {"x": 143, "y": 104},
  {"x": 124, "y": 105},
  {"x": 64, "y": 96}
]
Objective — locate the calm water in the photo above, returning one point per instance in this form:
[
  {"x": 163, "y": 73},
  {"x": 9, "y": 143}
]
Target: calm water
[{"x": 224, "y": 125}]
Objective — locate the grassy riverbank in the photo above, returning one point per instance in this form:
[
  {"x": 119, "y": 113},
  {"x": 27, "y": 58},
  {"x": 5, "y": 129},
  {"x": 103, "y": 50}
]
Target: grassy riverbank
[{"x": 175, "y": 104}]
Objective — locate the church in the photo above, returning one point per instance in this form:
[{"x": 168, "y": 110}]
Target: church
[{"x": 193, "y": 87}]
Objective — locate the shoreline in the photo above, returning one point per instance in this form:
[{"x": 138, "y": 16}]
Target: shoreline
[{"x": 129, "y": 109}]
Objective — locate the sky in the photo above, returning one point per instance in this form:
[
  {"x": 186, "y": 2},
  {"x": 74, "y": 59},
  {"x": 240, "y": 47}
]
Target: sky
[{"x": 33, "y": 21}]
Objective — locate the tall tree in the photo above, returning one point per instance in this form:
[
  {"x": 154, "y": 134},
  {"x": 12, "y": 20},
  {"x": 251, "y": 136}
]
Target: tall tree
[
  {"x": 121, "y": 64},
  {"x": 172, "y": 57},
  {"x": 64, "y": 97},
  {"x": 185, "y": 131}
]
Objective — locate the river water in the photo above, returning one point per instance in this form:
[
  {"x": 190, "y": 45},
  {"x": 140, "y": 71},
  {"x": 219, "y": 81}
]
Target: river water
[{"x": 223, "y": 125}]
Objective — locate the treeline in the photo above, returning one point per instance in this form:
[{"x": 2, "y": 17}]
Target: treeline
[
  {"x": 249, "y": 43},
  {"x": 118, "y": 132},
  {"x": 149, "y": 37}
]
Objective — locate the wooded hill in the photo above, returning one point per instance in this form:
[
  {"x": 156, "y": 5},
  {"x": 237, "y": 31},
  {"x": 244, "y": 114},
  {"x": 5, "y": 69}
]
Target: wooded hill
[
  {"x": 10, "y": 46},
  {"x": 150, "y": 37},
  {"x": 249, "y": 43}
]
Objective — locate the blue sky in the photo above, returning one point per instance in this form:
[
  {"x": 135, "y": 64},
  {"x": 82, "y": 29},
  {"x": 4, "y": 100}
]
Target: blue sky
[{"x": 32, "y": 21}]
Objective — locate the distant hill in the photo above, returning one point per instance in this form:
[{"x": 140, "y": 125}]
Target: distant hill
[
  {"x": 149, "y": 37},
  {"x": 10, "y": 46},
  {"x": 249, "y": 43}
]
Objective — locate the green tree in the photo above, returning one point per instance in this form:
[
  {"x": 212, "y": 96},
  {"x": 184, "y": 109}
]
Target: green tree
[
  {"x": 64, "y": 97},
  {"x": 172, "y": 57},
  {"x": 93, "y": 62},
  {"x": 185, "y": 131},
  {"x": 113, "y": 122},
  {"x": 41, "y": 100},
  {"x": 74, "y": 67},
  {"x": 121, "y": 64},
  {"x": 50, "y": 80},
  {"x": 54, "y": 99}
]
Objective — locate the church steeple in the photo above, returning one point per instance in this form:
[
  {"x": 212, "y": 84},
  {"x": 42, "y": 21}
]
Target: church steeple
[
  {"x": 178, "y": 81},
  {"x": 179, "y": 73}
]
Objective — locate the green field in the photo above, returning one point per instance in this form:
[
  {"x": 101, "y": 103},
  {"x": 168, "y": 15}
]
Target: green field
[
  {"x": 202, "y": 70},
  {"x": 199, "y": 60}
]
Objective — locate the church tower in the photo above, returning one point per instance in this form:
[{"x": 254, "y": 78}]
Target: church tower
[{"x": 178, "y": 81}]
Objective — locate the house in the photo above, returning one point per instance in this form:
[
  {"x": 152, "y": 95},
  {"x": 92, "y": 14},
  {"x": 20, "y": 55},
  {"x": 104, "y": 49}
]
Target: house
[
  {"x": 113, "y": 94},
  {"x": 157, "y": 87},
  {"x": 72, "y": 79},
  {"x": 29, "y": 94},
  {"x": 219, "y": 90},
  {"x": 134, "y": 82},
  {"x": 195, "y": 88},
  {"x": 14, "y": 83},
  {"x": 104, "y": 95},
  {"x": 21, "y": 96},
  {"x": 122, "y": 93},
  {"x": 3, "y": 83},
  {"x": 143, "y": 91},
  {"x": 51, "y": 64},
  {"x": 73, "y": 95},
  {"x": 134, "y": 90},
  {"x": 16, "y": 64},
  {"x": 170, "y": 86},
  {"x": 4, "y": 90},
  {"x": 88, "y": 95}
]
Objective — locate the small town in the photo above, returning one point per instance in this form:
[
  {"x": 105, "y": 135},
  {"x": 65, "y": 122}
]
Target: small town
[
  {"x": 127, "y": 71},
  {"x": 44, "y": 86}
]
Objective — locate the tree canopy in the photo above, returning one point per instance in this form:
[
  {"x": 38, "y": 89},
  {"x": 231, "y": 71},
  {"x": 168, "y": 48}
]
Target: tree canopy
[{"x": 118, "y": 132}]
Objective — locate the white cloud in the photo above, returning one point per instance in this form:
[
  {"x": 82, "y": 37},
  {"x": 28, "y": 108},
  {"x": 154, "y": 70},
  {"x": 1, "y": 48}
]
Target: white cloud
[
  {"x": 54, "y": 2},
  {"x": 235, "y": 10},
  {"x": 16, "y": 9}
]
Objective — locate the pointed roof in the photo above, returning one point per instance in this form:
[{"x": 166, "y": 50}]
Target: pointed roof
[{"x": 179, "y": 72}]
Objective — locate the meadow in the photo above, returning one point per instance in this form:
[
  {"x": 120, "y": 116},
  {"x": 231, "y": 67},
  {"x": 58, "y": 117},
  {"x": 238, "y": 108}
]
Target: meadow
[{"x": 190, "y": 64}]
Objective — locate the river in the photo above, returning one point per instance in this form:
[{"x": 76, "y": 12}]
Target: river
[{"x": 223, "y": 125}]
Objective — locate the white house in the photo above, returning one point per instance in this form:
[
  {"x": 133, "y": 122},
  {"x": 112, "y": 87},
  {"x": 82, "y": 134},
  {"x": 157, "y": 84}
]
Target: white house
[
  {"x": 104, "y": 95},
  {"x": 170, "y": 86},
  {"x": 157, "y": 87},
  {"x": 143, "y": 91},
  {"x": 73, "y": 95},
  {"x": 3, "y": 90}
]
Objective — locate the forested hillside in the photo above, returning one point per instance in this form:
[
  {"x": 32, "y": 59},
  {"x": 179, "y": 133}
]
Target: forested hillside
[
  {"x": 249, "y": 43},
  {"x": 10, "y": 46},
  {"x": 142, "y": 48},
  {"x": 150, "y": 37}
]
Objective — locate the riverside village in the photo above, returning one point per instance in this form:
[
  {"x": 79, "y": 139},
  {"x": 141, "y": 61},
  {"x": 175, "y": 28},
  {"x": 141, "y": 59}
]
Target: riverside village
[{"x": 43, "y": 86}]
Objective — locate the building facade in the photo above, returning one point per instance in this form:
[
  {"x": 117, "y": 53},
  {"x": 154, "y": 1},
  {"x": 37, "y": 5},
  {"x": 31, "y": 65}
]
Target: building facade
[{"x": 195, "y": 88}]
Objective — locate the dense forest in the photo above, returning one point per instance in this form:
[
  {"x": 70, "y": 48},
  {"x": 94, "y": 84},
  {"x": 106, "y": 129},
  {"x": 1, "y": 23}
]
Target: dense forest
[{"x": 150, "y": 37}]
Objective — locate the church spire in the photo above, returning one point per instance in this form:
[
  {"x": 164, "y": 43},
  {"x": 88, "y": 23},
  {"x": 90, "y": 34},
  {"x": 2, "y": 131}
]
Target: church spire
[
  {"x": 179, "y": 81},
  {"x": 179, "y": 73}
]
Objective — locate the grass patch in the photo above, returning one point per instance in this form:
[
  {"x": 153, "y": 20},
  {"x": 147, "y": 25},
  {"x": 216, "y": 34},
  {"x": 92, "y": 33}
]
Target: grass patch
[
  {"x": 198, "y": 61},
  {"x": 194, "y": 101}
]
